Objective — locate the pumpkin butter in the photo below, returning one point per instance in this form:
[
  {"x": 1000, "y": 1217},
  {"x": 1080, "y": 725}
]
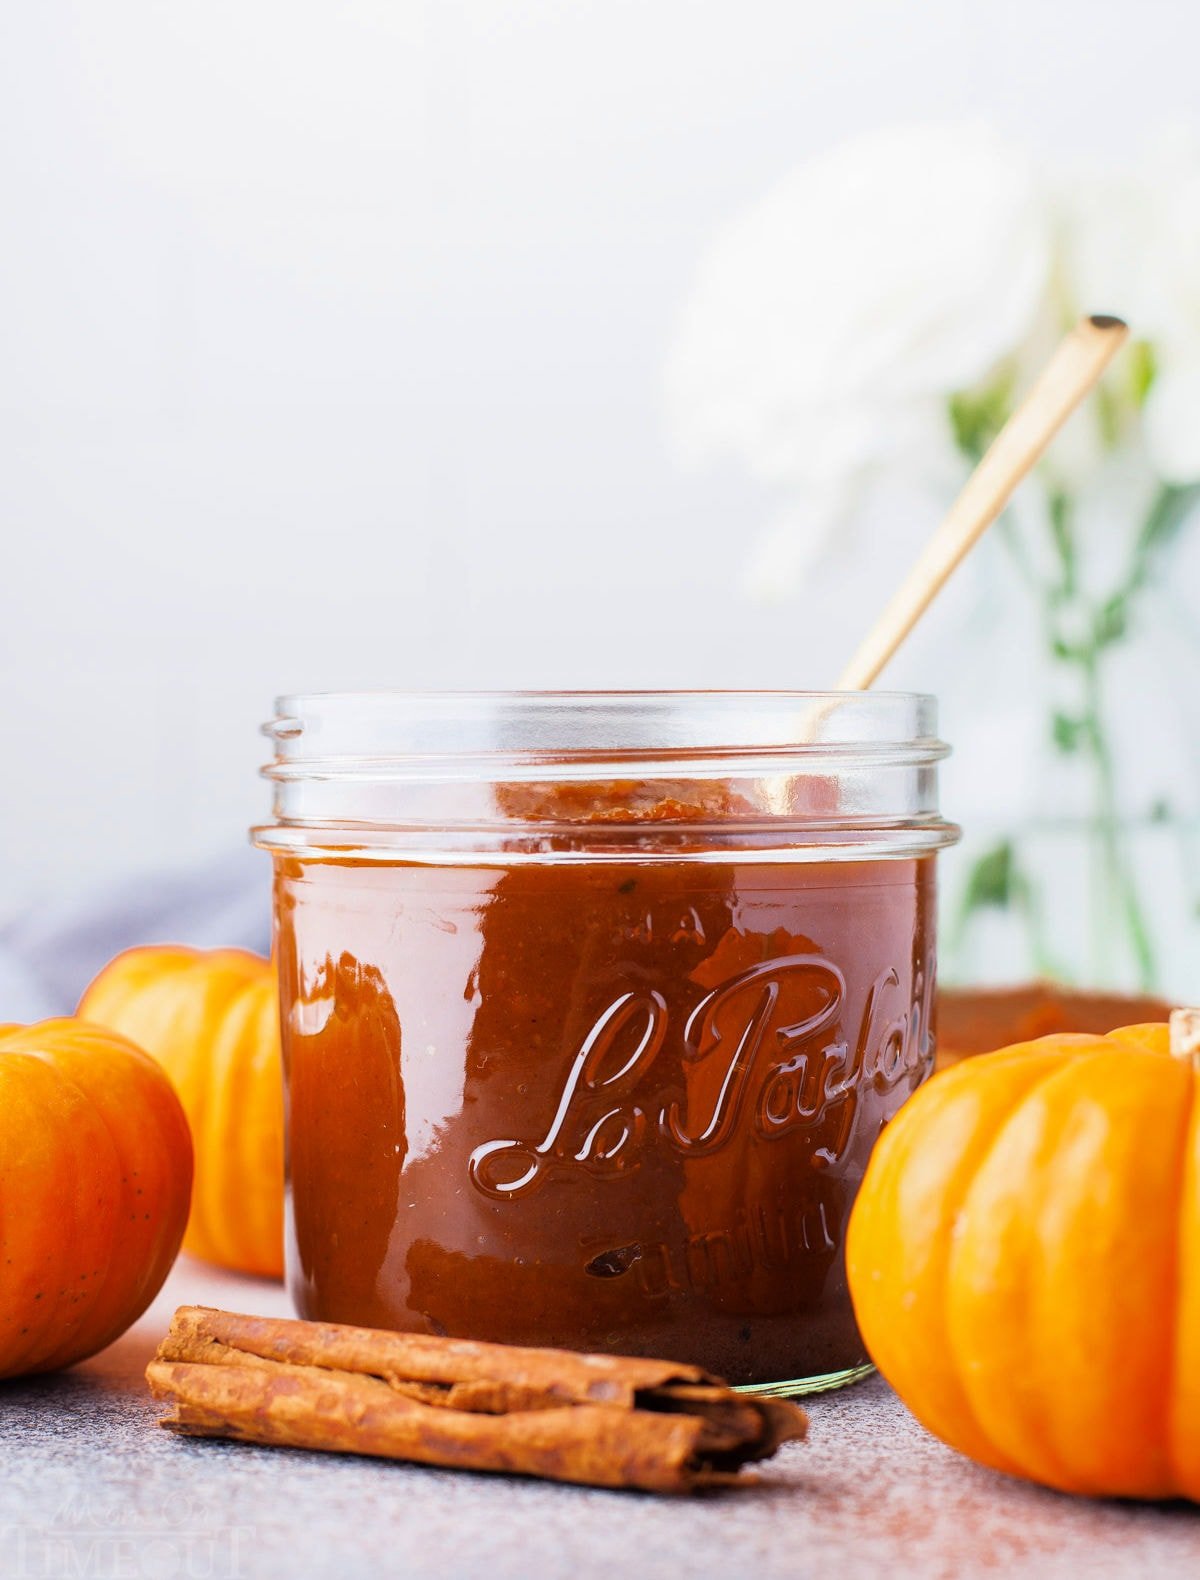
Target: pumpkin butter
[{"x": 610, "y": 1085}]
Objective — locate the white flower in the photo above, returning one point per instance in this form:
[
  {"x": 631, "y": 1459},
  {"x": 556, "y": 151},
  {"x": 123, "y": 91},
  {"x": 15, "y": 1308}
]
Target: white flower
[
  {"x": 1173, "y": 405},
  {"x": 829, "y": 323},
  {"x": 1173, "y": 421},
  {"x": 1129, "y": 241}
]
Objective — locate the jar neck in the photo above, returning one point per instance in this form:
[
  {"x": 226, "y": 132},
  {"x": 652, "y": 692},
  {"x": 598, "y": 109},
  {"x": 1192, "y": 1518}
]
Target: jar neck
[{"x": 628, "y": 776}]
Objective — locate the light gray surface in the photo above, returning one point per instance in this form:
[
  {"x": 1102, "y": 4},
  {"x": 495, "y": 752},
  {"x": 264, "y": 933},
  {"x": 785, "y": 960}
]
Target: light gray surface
[{"x": 89, "y": 1486}]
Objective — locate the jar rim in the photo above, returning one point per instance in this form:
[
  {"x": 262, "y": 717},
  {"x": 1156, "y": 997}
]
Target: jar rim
[
  {"x": 394, "y": 726},
  {"x": 600, "y": 773},
  {"x": 493, "y": 692},
  {"x": 373, "y": 695}
]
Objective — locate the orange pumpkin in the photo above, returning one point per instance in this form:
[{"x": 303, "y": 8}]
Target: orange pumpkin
[
  {"x": 95, "y": 1177},
  {"x": 1024, "y": 1259},
  {"x": 210, "y": 1018}
]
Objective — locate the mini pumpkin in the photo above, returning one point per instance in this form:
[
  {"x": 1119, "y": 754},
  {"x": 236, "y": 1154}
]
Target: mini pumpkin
[
  {"x": 1024, "y": 1260},
  {"x": 95, "y": 1178},
  {"x": 210, "y": 1018}
]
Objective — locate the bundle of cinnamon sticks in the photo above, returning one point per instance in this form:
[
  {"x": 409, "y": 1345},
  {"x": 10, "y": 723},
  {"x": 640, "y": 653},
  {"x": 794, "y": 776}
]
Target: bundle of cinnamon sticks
[{"x": 604, "y": 1420}]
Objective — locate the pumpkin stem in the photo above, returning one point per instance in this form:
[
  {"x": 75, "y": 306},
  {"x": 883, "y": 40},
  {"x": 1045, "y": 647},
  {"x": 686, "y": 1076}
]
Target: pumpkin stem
[{"x": 1185, "y": 1036}]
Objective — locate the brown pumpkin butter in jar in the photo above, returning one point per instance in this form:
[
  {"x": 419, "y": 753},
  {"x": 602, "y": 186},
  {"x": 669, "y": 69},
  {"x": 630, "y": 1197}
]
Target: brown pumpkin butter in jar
[{"x": 609, "y": 1079}]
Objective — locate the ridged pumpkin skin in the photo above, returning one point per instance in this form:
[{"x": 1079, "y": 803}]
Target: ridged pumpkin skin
[
  {"x": 1024, "y": 1260},
  {"x": 210, "y": 1018},
  {"x": 95, "y": 1179}
]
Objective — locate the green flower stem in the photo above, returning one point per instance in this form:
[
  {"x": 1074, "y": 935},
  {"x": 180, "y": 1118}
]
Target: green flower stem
[
  {"x": 1121, "y": 876},
  {"x": 997, "y": 877},
  {"x": 1106, "y": 624}
]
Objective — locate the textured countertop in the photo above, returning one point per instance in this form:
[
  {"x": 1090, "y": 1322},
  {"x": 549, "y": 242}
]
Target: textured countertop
[{"x": 89, "y": 1486}]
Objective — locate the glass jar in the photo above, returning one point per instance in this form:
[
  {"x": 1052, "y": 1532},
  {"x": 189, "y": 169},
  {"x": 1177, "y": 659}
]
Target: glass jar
[{"x": 593, "y": 1006}]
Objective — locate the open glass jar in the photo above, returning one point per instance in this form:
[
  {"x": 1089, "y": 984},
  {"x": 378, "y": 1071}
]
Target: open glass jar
[{"x": 593, "y": 1006}]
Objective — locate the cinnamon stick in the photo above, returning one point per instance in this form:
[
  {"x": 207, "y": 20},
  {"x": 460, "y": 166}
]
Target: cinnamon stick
[{"x": 603, "y": 1420}]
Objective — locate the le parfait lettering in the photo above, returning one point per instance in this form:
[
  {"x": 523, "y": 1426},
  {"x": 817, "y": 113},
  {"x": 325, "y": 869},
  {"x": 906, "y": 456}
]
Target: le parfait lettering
[{"x": 750, "y": 1062}]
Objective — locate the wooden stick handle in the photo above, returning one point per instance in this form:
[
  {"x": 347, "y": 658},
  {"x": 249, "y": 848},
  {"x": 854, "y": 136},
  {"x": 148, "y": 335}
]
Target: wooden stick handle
[{"x": 1071, "y": 373}]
